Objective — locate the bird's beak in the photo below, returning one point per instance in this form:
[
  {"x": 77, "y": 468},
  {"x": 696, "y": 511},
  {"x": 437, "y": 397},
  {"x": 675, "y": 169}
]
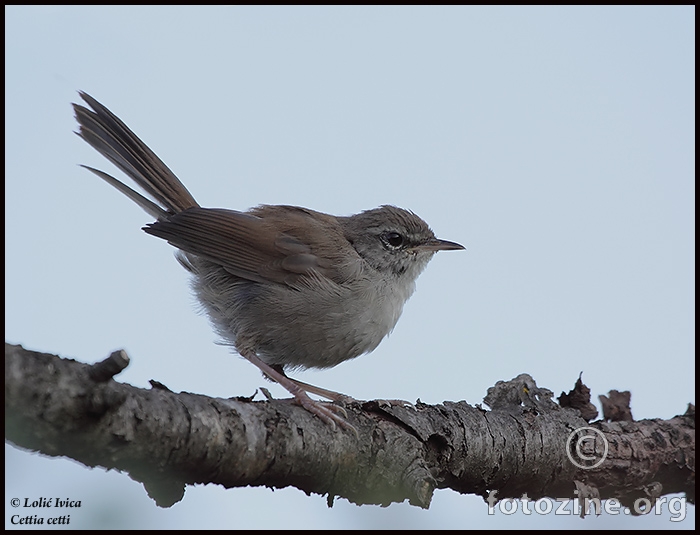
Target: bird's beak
[{"x": 438, "y": 245}]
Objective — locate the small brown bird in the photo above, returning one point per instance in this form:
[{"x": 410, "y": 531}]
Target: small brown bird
[{"x": 287, "y": 287}]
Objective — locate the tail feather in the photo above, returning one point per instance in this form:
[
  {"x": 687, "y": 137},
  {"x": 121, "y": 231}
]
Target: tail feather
[
  {"x": 107, "y": 134},
  {"x": 145, "y": 203}
]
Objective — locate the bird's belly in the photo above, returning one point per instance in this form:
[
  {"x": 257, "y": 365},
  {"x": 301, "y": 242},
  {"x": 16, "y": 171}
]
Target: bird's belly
[
  {"x": 299, "y": 329},
  {"x": 322, "y": 332}
]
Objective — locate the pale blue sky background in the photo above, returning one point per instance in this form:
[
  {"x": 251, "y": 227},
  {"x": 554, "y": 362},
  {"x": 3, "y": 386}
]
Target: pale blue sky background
[{"x": 556, "y": 144}]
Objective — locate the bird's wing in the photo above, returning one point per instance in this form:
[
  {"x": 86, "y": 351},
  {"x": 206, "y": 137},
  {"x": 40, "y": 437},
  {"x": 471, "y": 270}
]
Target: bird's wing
[{"x": 267, "y": 247}]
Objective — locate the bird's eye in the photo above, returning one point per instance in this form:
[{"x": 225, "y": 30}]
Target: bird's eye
[{"x": 393, "y": 239}]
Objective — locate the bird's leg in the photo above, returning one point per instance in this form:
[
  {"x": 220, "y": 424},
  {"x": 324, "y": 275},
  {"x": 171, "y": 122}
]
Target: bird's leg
[
  {"x": 328, "y": 394},
  {"x": 343, "y": 398},
  {"x": 323, "y": 410}
]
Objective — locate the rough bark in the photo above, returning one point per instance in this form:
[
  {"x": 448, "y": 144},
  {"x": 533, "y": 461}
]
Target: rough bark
[{"x": 525, "y": 444}]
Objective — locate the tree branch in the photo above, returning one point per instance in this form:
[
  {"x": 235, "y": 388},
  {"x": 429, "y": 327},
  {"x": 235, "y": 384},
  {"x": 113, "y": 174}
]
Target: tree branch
[{"x": 167, "y": 440}]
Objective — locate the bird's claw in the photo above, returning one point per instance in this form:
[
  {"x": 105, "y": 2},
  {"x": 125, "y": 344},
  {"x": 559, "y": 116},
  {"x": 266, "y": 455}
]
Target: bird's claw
[{"x": 326, "y": 412}]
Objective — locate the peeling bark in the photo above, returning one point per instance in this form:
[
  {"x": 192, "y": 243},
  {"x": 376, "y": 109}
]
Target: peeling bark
[{"x": 526, "y": 443}]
